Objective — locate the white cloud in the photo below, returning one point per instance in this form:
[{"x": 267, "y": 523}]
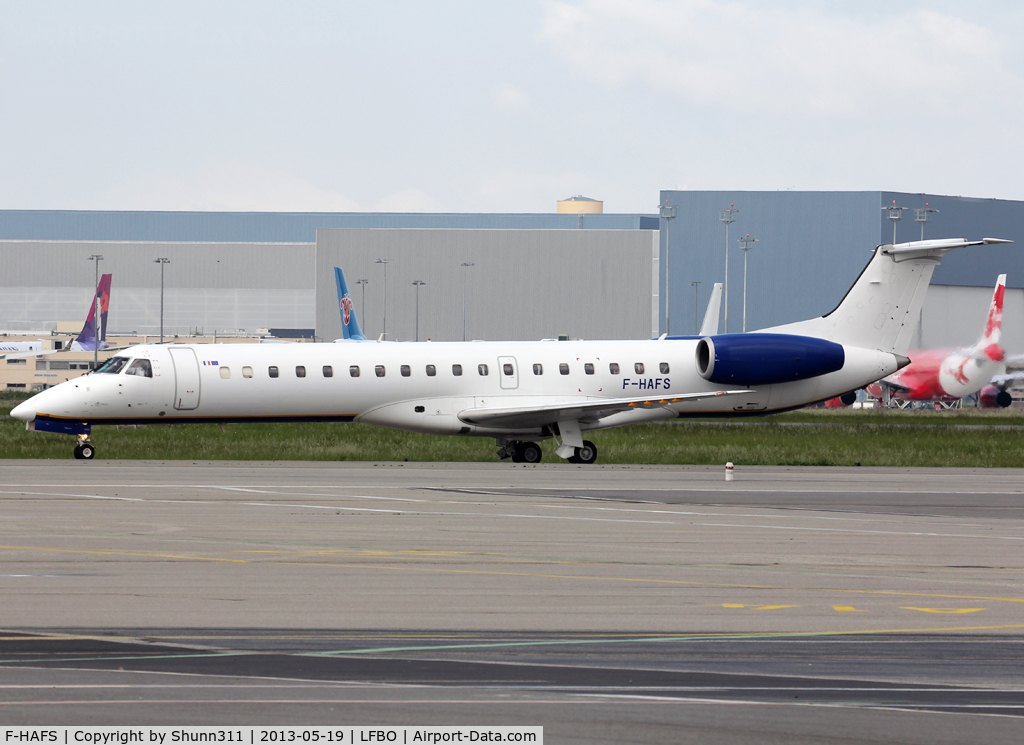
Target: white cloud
[
  {"x": 787, "y": 62},
  {"x": 229, "y": 186}
]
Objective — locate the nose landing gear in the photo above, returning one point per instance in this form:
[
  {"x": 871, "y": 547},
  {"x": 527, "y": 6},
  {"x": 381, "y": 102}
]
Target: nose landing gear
[{"x": 84, "y": 450}]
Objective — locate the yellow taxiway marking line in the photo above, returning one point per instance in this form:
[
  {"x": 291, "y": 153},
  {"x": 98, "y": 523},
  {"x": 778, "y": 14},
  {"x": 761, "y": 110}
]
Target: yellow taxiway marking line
[
  {"x": 491, "y": 573},
  {"x": 945, "y": 610},
  {"x": 847, "y": 609}
]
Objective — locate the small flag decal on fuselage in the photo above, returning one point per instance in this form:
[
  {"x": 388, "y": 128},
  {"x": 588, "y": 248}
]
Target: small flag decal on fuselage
[{"x": 210, "y": 362}]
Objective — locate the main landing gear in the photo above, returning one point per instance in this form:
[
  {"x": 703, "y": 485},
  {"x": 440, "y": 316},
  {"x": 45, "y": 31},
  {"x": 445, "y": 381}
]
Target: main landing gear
[
  {"x": 521, "y": 452},
  {"x": 586, "y": 454},
  {"x": 84, "y": 449}
]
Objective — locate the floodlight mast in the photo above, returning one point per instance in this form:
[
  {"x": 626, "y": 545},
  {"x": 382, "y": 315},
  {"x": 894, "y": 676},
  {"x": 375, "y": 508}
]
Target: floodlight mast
[
  {"x": 385, "y": 262},
  {"x": 746, "y": 243},
  {"x": 465, "y": 266},
  {"x": 667, "y": 213},
  {"x": 362, "y": 313},
  {"x": 728, "y": 216},
  {"x": 162, "y": 262},
  {"x": 418, "y": 283},
  {"x": 923, "y": 215},
  {"x": 895, "y": 213}
]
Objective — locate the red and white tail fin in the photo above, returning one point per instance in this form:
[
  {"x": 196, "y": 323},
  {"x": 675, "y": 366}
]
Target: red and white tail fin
[{"x": 989, "y": 344}]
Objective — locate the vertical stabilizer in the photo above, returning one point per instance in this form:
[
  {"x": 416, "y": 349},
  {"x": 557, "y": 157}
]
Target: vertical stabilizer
[
  {"x": 880, "y": 310},
  {"x": 349, "y": 324},
  {"x": 710, "y": 325},
  {"x": 994, "y": 322},
  {"x": 87, "y": 341}
]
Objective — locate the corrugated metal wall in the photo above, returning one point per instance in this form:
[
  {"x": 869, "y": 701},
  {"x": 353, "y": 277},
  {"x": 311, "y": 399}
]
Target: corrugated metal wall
[
  {"x": 811, "y": 246},
  {"x": 525, "y": 284},
  {"x": 207, "y": 285},
  {"x": 275, "y": 227}
]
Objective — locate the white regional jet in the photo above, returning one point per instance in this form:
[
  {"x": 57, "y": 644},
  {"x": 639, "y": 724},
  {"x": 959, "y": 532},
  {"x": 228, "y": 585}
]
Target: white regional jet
[{"x": 516, "y": 392}]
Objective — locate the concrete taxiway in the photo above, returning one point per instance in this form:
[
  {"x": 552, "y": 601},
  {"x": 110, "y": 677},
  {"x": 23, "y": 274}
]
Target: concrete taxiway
[{"x": 606, "y": 603}]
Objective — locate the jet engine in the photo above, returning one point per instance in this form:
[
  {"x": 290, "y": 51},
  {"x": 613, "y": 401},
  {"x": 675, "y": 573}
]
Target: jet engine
[{"x": 763, "y": 359}]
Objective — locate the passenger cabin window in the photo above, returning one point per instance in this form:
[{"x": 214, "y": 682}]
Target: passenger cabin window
[
  {"x": 588, "y": 368},
  {"x": 328, "y": 371},
  {"x": 113, "y": 366},
  {"x": 246, "y": 372},
  {"x": 538, "y": 369},
  {"x": 406, "y": 371},
  {"x": 482, "y": 369},
  {"x": 563, "y": 368},
  {"x": 353, "y": 371},
  {"x": 663, "y": 366},
  {"x": 431, "y": 371},
  {"x": 300, "y": 371},
  {"x": 144, "y": 369},
  {"x": 613, "y": 368},
  {"x": 456, "y": 370},
  {"x": 272, "y": 371},
  {"x": 225, "y": 372},
  {"x": 507, "y": 369},
  {"x": 379, "y": 371},
  {"x": 639, "y": 367}
]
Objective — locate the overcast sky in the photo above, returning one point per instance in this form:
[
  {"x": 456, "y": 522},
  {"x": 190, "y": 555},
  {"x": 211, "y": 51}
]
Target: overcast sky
[{"x": 501, "y": 106}]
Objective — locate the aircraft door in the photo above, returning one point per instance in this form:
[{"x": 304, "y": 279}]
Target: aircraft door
[
  {"x": 186, "y": 378},
  {"x": 509, "y": 372}
]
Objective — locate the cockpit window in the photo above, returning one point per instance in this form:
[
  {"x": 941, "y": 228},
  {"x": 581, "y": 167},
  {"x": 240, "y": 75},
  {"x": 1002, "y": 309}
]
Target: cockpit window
[
  {"x": 113, "y": 366},
  {"x": 141, "y": 367}
]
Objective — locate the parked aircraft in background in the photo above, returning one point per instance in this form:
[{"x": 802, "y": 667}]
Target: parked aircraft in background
[
  {"x": 519, "y": 393},
  {"x": 951, "y": 374},
  {"x": 349, "y": 324},
  {"x": 86, "y": 341}
]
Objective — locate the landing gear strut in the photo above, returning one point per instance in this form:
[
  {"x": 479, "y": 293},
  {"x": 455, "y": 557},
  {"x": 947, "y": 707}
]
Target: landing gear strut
[{"x": 84, "y": 449}]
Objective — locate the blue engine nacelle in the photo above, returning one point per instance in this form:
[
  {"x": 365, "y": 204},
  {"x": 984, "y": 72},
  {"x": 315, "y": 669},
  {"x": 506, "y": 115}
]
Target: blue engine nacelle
[{"x": 763, "y": 359}]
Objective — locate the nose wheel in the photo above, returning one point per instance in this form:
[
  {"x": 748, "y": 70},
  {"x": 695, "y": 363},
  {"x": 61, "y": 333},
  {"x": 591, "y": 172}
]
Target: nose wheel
[{"x": 84, "y": 450}]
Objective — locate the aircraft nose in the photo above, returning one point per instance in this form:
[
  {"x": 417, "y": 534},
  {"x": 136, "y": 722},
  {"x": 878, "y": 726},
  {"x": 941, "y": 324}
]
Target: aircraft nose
[{"x": 25, "y": 411}]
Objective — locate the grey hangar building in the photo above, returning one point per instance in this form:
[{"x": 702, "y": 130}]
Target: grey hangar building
[{"x": 503, "y": 276}]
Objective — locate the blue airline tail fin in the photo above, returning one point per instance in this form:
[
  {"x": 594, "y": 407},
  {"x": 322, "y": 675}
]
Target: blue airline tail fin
[{"x": 349, "y": 324}]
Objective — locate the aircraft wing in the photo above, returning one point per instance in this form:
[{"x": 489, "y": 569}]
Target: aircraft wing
[
  {"x": 66, "y": 350},
  {"x": 583, "y": 411}
]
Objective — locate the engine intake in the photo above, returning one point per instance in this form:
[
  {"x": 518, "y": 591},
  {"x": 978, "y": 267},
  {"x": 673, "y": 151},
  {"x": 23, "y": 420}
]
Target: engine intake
[{"x": 763, "y": 359}]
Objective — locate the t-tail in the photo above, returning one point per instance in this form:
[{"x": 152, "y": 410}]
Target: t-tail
[
  {"x": 881, "y": 310},
  {"x": 86, "y": 340},
  {"x": 349, "y": 324},
  {"x": 710, "y": 325}
]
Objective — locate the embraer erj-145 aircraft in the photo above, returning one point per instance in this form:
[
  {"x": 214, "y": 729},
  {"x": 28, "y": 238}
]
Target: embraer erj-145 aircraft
[{"x": 516, "y": 392}]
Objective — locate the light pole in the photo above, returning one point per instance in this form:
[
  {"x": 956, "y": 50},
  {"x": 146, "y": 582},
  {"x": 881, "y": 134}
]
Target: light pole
[
  {"x": 696, "y": 307},
  {"x": 96, "y": 313},
  {"x": 728, "y": 216},
  {"x": 745, "y": 244},
  {"x": 385, "y": 262},
  {"x": 896, "y": 214},
  {"x": 362, "y": 312},
  {"x": 923, "y": 215},
  {"x": 162, "y": 262},
  {"x": 418, "y": 283},
  {"x": 667, "y": 213},
  {"x": 465, "y": 265}
]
